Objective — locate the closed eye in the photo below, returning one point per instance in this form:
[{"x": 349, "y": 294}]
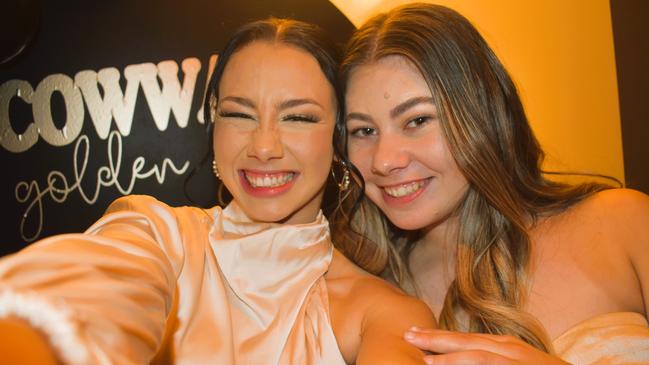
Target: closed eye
[
  {"x": 234, "y": 115},
  {"x": 305, "y": 118}
]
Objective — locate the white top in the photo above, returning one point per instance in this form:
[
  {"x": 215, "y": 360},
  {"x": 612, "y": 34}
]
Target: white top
[
  {"x": 183, "y": 285},
  {"x": 612, "y": 338}
]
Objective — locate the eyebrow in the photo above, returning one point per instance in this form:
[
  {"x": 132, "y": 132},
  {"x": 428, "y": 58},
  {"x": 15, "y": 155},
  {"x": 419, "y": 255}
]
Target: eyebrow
[
  {"x": 359, "y": 116},
  {"x": 410, "y": 103},
  {"x": 396, "y": 111},
  {"x": 286, "y": 104},
  {"x": 239, "y": 100}
]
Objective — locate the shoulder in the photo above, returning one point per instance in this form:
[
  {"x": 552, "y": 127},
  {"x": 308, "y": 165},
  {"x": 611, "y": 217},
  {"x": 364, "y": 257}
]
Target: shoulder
[
  {"x": 148, "y": 206},
  {"x": 374, "y": 315},
  {"x": 355, "y": 284},
  {"x": 150, "y": 215},
  {"x": 619, "y": 217},
  {"x": 620, "y": 201},
  {"x": 612, "y": 208},
  {"x": 625, "y": 215},
  {"x": 382, "y": 300},
  {"x": 626, "y": 223},
  {"x": 136, "y": 203},
  {"x": 374, "y": 300},
  {"x": 365, "y": 289},
  {"x": 625, "y": 212}
]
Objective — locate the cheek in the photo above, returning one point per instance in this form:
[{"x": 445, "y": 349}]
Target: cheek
[
  {"x": 446, "y": 159},
  {"x": 226, "y": 144},
  {"x": 314, "y": 149},
  {"x": 431, "y": 151},
  {"x": 361, "y": 156}
]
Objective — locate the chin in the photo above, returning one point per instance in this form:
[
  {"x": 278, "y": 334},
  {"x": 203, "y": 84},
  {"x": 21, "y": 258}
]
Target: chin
[
  {"x": 407, "y": 226},
  {"x": 271, "y": 216},
  {"x": 406, "y": 222}
]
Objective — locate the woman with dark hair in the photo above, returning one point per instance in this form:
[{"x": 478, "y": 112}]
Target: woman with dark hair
[
  {"x": 517, "y": 268},
  {"x": 255, "y": 282}
]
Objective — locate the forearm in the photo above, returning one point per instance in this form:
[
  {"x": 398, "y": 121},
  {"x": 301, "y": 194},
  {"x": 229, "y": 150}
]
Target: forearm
[{"x": 103, "y": 294}]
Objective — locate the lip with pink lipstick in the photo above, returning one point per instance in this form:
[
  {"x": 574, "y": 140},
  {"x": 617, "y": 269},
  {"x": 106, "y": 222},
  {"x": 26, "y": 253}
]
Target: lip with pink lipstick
[
  {"x": 405, "y": 192},
  {"x": 267, "y": 184}
]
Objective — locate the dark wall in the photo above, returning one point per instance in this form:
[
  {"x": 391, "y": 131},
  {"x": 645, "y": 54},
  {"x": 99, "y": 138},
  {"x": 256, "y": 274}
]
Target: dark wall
[
  {"x": 62, "y": 156},
  {"x": 631, "y": 37}
]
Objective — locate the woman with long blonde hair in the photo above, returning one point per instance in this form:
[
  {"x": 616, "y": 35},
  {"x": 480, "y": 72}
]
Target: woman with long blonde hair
[{"x": 517, "y": 268}]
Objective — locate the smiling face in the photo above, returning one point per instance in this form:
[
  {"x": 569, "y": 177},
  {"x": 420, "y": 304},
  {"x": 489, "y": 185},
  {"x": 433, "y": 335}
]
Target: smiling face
[
  {"x": 273, "y": 131},
  {"x": 397, "y": 143}
]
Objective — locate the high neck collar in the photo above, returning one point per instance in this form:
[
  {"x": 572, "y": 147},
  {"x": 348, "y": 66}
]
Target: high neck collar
[
  {"x": 274, "y": 273},
  {"x": 240, "y": 223}
]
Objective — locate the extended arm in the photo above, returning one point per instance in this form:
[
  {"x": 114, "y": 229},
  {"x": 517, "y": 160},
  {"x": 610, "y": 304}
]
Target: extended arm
[{"x": 102, "y": 295}]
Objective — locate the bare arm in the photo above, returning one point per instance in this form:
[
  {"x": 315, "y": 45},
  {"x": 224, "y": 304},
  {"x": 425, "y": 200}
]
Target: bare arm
[
  {"x": 85, "y": 295},
  {"x": 369, "y": 316},
  {"x": 633, "y": 222},
  {"x": 385, "y": 322}
]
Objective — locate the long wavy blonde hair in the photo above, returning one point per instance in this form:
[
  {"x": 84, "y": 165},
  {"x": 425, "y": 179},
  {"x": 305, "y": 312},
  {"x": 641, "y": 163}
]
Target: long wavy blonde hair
[{"x": 491, "y": 140}]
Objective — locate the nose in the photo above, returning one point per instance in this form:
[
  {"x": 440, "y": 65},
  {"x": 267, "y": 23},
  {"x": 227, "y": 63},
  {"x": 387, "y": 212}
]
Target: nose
[
  {"x": 390, "y": 155},
  {"x": 266, "y": 144}
]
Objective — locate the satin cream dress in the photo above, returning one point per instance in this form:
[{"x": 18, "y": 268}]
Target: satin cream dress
[
  {"x": 607, "y": 339},
  {"x": 153, "y": 284}
]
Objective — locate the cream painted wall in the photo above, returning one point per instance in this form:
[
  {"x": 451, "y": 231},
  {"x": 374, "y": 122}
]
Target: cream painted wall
[{"x": 561, "y": 56}]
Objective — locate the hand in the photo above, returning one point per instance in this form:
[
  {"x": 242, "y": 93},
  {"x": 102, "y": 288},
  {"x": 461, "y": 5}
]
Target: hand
[{"x": 476, "y": 348}]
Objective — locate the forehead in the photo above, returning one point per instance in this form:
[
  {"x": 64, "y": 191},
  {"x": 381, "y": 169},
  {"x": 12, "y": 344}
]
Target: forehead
[
  {"x": 388, "y": 77},
  {"x": 273, "y": 63}
]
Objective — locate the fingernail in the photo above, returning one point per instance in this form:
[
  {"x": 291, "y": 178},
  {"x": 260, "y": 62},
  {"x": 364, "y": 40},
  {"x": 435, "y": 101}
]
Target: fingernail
[
  {"x": 429, "y": 360},
  {"x": 409, "y": 335},
  {"x": 414, "y": 329}
]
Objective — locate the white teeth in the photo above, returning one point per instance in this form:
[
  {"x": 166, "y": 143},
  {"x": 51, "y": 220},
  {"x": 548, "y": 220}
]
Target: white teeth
[
  {"x": 403, "y": 190},
  {"x": 268, "y": 181}
]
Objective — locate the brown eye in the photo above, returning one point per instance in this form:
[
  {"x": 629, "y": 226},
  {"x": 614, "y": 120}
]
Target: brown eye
[
  {"x": 362, "y": 132},
  {"x": 419, "y": 121}
]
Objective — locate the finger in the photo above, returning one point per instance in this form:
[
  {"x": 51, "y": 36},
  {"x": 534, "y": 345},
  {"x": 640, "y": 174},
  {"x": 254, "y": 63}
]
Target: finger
[
  {"x": 444, "y": 342},
  {"x": 472, "y": 357}
]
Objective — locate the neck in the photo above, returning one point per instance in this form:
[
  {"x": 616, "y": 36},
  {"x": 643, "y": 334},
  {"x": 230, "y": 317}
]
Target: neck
[
  {"x": 440, "y": 240},
  {"x": 432, "y": 262}
]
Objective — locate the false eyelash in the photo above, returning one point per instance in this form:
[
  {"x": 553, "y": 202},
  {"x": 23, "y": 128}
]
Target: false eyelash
[
  {"x": 307, "y": 118},
  {"x": 233, "y": 115}
]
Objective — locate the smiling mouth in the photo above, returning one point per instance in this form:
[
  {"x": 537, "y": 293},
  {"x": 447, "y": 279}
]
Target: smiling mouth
[
  {"x": 405, "y": 190},
  {"x": 268, "y": 180}
]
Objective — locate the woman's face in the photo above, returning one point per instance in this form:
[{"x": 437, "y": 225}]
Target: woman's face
[
  {"x": 397, "y": 143},
  {"x": 273, "y": 131}
]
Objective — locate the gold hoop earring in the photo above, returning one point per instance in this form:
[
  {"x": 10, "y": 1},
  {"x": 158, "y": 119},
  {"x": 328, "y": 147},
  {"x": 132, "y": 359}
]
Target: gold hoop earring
[
  {"x": 343, "y": 185},
  {"x": 215, "y": 169}
]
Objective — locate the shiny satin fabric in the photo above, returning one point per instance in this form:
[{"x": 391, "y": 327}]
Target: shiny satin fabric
[
  {"x": 607, "y": 339},
  {"x": 183, "y": 285}
]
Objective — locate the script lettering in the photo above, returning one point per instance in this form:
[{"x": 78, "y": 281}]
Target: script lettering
[{"x": 58, "y": 188}]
